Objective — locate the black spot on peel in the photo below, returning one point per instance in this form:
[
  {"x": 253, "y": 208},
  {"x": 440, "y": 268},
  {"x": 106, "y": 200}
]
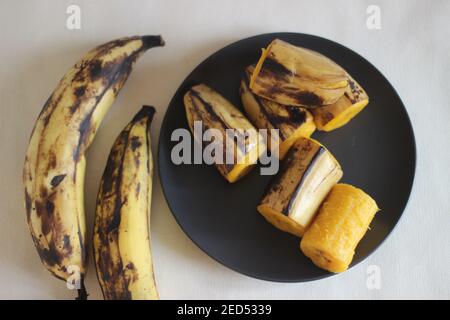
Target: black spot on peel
[
  {"x": 80, "y": 91},
  {"x": 95, "y": 69},
  {"x": 28, "y": 204},
  {"x": 135, "y": 143},
  {"x": 120, "y": 42},
  {"x": 84, "y": 131},
  {"x": 138, "y": 189},
  {"x": 111, "y": 271},
  {"x": 114, "y": 224},
  {"x": 50, "y": 256},
  {"x": 48, "y": 108},
  {"x": 45, "y": 212},
  {"x": 108, "y": 175},
  {"x": 43, "y": 192},
  {"x": 207, "y": 106},
  {"x": 137, "y": 160},
  {"x": 306, "y": 98},
  {"x": 296, "y": 115},
  {"x": 52, "y": 162},
  {"x": 273, "y": 69},
  {"x": 326, "y": 116},
  {"x": 107, "y": 180},
  {"x": 126, "y": 294},
  {"x": 351, "y": 84},
  {"x": 84, "y": 68},
  {"x": 66, "y": 244},
  {"x": 56, "y": 180},
  {"x": 276, "y": 68},
  {"x": 105, "y": 262},
  {"x": 275, "y": 184},
  {"x": 115, "y": 221},
  {"x": 49, "y": 207},
  {"x": 74, "y": 107},
  {"x": 40, "y": 208},
  {"x": 110, "y": 70},
  {"x": 132, "y": 275},
  {"x": 270, "y": 91}
]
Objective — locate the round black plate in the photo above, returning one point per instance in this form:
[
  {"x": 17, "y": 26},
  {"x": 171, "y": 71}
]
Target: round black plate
[{"x": 376, "y": 151}]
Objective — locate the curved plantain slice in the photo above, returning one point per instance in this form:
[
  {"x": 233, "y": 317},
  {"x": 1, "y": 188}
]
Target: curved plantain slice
[
  {"x": 292, "y": 122},
  {"x": 338, "y": 114},
  {"x": 307, "y": 174},
  {"x": 215, "y": 112},
  {"x": 297, "y": 76}
]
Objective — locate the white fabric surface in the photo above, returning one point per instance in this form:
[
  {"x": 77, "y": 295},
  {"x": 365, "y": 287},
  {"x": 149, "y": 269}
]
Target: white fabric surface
[{"x": 411, "y": 50}]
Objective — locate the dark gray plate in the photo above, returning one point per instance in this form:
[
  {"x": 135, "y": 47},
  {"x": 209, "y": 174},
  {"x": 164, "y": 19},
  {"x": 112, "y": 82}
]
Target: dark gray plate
[{"x": 376, "y": 150}]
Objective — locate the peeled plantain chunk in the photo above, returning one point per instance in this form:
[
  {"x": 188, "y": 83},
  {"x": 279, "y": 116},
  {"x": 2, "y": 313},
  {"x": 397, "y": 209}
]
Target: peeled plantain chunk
[
  {"x": 297, "y": 76},
  {"x": 342, "y": 221},
  {"x": 292, "y": 122},
  {"x": 205, "y": 106},
  {"x": 338, "y": 114},
  {"x": 307, "y": 174}
]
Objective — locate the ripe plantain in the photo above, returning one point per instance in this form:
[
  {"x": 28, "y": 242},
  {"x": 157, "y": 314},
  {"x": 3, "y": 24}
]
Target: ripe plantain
[
  {"x": 292, "y": 122},
  {"x": 54, "y": 167},
  {"x": 122, "y": 223},
  {"x": 307, "y": 174},
  {"x": 338, "y": 114},
  {"x": 297, "y": 76},
  {"x": 212, "y": 111}
]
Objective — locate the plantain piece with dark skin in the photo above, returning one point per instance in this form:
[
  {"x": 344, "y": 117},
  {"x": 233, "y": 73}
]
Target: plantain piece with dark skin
[
  {"x": 297, "y": 76},
  {"x": 290, "y": 121},
  {"x": 212, "y": 111},
  {"x": 307, "y": 174},
  {"x": 55, "y": 162},
  {"x": 338, "y": 114}
]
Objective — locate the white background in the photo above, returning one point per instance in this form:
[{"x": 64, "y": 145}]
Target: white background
[{"x": 411, "y": 50}]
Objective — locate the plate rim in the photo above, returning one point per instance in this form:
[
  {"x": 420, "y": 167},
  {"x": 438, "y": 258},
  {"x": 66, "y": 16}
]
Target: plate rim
[{"x": 271, "y": 279}]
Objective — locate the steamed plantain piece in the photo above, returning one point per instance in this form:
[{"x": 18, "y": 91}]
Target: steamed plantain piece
[
  {"x": 215, "y": 112},
  {"x": 307, "y": 174},
  {"x": 338, "y": 114},
  {"x": 292, "y": 122},
  {"x": 341, "y": 222},
  {"x": 297, "y": 76}
]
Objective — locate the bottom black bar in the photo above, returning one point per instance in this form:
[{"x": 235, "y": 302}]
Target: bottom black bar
[{"x": 216, "y": 309}]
